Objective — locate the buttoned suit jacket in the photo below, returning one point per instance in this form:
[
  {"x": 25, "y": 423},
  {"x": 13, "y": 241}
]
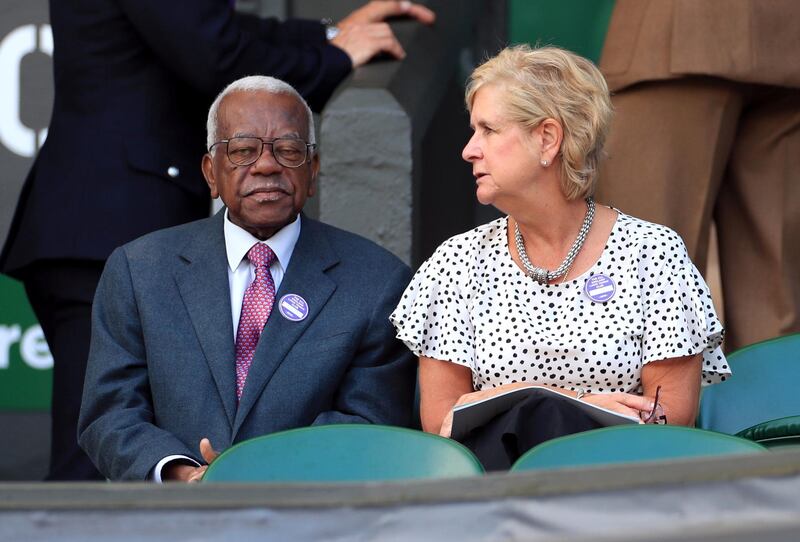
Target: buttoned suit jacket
[
  {"x": 161, "y": 367},
  {"x": 133, "y": 83},
  {"x": 750, "y": 41}
]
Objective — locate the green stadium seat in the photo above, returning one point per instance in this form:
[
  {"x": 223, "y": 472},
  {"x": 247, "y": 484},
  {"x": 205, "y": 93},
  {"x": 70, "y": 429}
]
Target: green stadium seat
[
  {"x": 343, "y": 453},
  {"x": 763, "y": 387},
  {"x": 631, "y": 444}
]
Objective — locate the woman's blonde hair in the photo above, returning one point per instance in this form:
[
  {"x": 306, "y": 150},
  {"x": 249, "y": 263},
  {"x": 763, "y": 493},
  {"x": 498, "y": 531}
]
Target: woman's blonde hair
[{"x": 548, "y": 82}]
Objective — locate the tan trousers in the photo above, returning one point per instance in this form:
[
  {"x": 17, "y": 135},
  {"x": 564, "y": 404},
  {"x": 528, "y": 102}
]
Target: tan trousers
[{"x": 688, "y": 151}]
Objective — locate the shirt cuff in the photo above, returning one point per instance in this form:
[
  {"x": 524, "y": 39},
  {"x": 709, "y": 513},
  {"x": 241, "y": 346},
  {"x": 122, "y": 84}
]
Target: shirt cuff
[{"x": 155, "y": 474}]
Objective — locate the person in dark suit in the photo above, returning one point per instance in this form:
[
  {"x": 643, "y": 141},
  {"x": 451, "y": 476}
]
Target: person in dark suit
[
  {"x": 133, "y": 80},
  {"x": 174, "y": 311}
]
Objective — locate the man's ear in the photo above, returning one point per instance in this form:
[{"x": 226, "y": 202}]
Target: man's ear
[
  {"x": 312, "y": 186},
  {"x": 207, "y": 166}
]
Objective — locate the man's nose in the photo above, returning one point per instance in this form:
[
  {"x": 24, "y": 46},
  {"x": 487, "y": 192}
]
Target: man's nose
[{"x": 266, "y": 163}]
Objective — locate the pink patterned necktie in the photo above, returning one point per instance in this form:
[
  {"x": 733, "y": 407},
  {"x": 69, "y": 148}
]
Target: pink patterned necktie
[{"x": 256, "y": 306}]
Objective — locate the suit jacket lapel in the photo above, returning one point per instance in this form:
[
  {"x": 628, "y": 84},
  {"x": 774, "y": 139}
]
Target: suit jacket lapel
[
  {"x": 203, "y": 284},
  {"x": 305, "y": 277}
]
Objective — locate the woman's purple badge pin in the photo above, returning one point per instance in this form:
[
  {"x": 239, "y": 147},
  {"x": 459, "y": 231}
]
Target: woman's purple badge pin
[
  {"x": 600, "y": 288},
  {"x": 293, "y": 307}
]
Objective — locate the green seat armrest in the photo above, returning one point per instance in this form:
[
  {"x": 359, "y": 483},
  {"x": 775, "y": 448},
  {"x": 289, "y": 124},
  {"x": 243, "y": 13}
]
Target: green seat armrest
[{"x": 774, "y": 432}]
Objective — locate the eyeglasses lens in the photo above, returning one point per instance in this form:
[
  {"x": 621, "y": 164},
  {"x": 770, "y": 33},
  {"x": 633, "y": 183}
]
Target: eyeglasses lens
[{"x": 288, "y": 152}]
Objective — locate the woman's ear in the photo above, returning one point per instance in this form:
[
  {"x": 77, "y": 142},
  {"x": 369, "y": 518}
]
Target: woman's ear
[{"x": 551, "y": 135}]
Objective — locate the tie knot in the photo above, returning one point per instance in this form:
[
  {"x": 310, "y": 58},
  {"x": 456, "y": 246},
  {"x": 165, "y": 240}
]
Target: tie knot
[{"x": 260, "y": 255}]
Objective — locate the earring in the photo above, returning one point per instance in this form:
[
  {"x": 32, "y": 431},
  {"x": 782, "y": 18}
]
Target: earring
[{"x": 544, "y": 163}]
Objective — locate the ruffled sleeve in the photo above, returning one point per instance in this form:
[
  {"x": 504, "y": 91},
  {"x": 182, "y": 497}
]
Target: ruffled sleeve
[
  {"x": 679, "y": 316},
  {"x": 433, "y": 318}
]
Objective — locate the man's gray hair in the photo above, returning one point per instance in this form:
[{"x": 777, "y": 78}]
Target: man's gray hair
[{"x": 254, "y": 83}]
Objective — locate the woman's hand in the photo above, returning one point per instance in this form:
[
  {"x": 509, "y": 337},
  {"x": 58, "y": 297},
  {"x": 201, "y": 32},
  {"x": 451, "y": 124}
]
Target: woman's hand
[
  {"x": 447, "y": 424},
  {"x": 622, "y": 403},
  {"x": 679, "y": 379},
  {"x": 475, "y": 396},
  {"x": 441, "y": 385}
]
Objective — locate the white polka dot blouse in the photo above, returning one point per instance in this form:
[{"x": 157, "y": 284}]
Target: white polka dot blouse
[{"x": 470, "y": 304}]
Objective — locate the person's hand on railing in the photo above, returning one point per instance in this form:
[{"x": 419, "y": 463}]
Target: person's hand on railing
[{"x": 364, "y": 34}]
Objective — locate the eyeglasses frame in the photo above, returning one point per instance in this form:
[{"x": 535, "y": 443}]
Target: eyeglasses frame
[
  {"x": 654, "y": 417},
  {"x": 310, "y": 148}
]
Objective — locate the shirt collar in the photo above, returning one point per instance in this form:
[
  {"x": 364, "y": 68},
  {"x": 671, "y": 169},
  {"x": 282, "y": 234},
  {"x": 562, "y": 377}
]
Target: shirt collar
[{"x": 238, "y": 241}]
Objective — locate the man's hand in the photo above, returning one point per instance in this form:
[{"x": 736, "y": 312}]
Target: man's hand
[
  {"x": 379, "y": 10},
  {"x": 179, "y": 472},
  {"x": 363, "y": 34},
  {"x": 207, "y": 451}
]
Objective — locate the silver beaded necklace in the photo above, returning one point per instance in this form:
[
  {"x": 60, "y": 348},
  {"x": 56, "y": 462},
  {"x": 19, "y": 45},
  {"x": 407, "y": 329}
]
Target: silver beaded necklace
[{"x": 541, "y": 275}]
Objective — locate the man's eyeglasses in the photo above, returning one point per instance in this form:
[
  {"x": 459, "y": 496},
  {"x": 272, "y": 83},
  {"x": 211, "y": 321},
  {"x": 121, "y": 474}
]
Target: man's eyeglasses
[
  {"x": 288, "y": 151},
  {"x": 657, "y": 414}
]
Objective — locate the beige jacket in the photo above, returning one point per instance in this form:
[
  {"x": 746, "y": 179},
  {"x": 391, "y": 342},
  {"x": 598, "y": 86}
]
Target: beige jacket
[{"x": 755, "y": 41}]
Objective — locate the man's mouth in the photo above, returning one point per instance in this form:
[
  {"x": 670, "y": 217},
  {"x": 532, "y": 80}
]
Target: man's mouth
[{"x": 265, "y": 194}]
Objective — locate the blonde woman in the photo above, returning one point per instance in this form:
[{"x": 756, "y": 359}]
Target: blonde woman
[{"x": 563, "y": 291}]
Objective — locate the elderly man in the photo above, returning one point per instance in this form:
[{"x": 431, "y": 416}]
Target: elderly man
[
  {"x": 133, "y": 81},
  {"x": 256, "y": 320}
]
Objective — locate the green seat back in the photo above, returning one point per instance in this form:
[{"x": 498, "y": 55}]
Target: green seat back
[
  {"x": 577, "y": 25},
  {"x": 343, "y": 453},
  {"x": 631, "y": 444},
  {"x": 763, "y": 386}
]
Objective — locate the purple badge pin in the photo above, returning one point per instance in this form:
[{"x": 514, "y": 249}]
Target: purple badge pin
[
  {"x": 600, "y": 288},
  {"x": 293, "y": 307}
]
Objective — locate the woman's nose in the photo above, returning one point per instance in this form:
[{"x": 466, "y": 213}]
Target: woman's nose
[{"x": 471, "y": 150}]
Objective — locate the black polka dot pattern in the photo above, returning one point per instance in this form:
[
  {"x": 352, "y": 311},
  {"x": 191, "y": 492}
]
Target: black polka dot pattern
[{"x": 470, "y": 304}]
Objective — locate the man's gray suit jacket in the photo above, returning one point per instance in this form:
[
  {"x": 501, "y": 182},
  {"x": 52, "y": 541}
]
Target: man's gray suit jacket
[{"x": 161, "y": 366}]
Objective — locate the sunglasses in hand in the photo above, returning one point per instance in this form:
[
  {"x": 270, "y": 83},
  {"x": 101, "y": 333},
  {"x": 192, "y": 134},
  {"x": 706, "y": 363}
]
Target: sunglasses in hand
[{"x": 657, "y": 414}]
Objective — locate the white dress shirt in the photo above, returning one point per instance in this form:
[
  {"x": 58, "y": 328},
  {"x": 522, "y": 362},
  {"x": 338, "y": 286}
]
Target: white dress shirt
[{"x": 241, "y": 273}]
